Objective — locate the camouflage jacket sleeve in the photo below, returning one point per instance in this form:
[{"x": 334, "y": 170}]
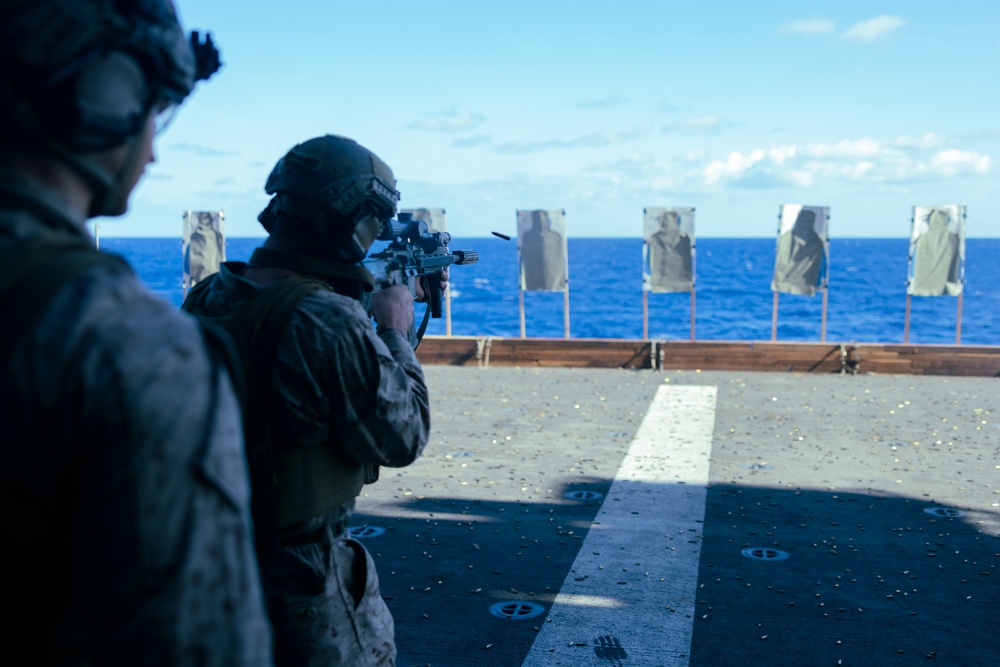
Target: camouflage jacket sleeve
[
  {"x": 337, "y": 380},
  {"x": 136, "y": 464}
]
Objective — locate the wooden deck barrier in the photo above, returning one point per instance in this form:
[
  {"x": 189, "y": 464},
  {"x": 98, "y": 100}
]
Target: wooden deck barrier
[{"x": 713, "y": 355}]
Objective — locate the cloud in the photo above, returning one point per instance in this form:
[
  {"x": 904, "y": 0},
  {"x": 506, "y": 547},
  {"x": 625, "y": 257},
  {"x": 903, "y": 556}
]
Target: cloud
[
  {"x": 808, "y": 26},
  {"x": 981, "y": 135},
  {"x": 638, "y": 175},
  {"x": 926, "y": 140},
  {"x": 873, "y": 29},
  {"x": 705, "y": 125},
  {"x": 204, "y": 151},
  {"x": 470, "y": 142},
  {"x": 635, "y": 174},
  {"x": 603, "y": 103},
  {"x": 847, "y": 148},
  {"x": 592, "y": 140},
  {"x": 447, "y": 121},
  {"x": 953, "y": 162},
  {"x": 693, "y": 156},
  {"x": 902, "y": 160},
  {"x": 759, "y": 169},
  {"x": 630, "y": 166}
]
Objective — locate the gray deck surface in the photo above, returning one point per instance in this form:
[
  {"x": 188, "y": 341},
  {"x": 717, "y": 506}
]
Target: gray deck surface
[{"x": 871, "y": 502}]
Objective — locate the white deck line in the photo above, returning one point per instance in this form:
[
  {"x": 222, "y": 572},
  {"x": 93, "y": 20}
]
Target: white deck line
[{"x": 629, "y": 597}]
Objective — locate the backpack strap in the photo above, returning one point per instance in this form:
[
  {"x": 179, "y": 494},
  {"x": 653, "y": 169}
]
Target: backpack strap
[{"x": 34, "y": 270}]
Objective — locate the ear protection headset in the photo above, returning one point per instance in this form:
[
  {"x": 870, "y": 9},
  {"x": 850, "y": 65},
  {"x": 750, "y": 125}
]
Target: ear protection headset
[
  {"x": 350, "y": 242},
  {"x": 86, "y": 73},
  {"x": 101, "y": 106}
]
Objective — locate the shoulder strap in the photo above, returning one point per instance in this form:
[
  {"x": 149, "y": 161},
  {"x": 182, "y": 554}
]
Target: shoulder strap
[
  {"x": 33, "y": 271},
  {"x": 254, "y": 329}
]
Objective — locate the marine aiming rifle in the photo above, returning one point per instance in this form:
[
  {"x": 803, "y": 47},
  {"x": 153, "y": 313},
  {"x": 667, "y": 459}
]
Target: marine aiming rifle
[{"x": 414, "y": 253}]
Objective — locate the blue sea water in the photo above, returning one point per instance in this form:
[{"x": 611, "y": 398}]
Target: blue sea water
[{"x": 867, "y": 297}]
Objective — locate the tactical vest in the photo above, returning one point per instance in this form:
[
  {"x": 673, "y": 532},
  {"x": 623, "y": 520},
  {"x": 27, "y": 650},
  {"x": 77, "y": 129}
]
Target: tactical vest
[{"x": 288, "y": 484}]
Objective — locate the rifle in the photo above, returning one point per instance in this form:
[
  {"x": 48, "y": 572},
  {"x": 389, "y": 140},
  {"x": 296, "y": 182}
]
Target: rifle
[{"x": 415, "y": 253}]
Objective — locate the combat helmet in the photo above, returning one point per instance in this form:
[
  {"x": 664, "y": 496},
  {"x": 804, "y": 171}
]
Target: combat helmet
[
  {"x": 82, "y": 76},
  {"x": 335, "y": 188}
]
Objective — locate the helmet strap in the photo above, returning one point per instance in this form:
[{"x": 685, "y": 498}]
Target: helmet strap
[
  {"x": 108, "y": 187},
  {"x": 105, "y": 200},
  {"x": 367, "y": 228},
  {"x": 100, "y": 180}
]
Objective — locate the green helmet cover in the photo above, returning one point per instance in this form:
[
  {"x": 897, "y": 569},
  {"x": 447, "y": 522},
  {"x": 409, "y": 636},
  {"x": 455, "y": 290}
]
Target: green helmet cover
[{"x": 329, "y": 179}]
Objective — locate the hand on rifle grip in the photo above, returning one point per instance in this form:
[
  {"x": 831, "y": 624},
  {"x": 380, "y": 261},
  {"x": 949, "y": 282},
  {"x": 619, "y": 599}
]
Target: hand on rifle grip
[{"x": 434, "y": 291}]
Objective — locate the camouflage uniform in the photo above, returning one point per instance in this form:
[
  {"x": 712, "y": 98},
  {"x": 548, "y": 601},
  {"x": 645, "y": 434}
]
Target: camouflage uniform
[
  {"x": 335, "y": 383},
  {"x": 124, "y": 486}
]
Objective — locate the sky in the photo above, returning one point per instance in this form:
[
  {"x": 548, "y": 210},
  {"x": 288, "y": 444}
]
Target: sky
[{"x": 600, "y": 109}]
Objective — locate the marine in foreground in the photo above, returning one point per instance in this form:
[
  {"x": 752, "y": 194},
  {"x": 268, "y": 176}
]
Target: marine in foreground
[{"x": 124, "y": 488}]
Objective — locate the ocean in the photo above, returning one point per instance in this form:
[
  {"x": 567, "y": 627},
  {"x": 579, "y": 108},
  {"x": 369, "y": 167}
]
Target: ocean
[{"x": 867, "y": 297}]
